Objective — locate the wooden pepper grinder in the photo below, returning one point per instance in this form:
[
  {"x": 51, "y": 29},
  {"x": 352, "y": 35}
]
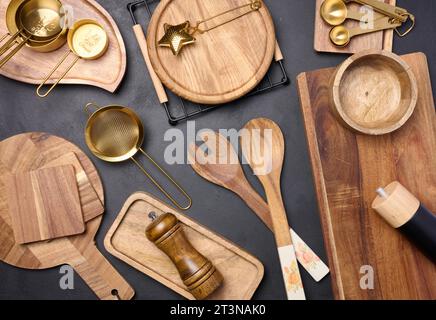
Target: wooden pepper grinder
[
  {"x": 198, "y": 274},
  {"x": 405, "y": 213}
]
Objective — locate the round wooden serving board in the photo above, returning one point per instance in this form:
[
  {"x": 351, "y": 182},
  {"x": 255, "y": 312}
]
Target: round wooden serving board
[
  {"x": 223, "y": 64},
  {"x": 30, "y": 151}
]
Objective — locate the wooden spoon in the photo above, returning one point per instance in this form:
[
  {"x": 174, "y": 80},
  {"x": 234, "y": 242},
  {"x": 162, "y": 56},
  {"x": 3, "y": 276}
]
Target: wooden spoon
[
  {"x": 263, "y": 147},
  {"x": 226, "y": 171}
]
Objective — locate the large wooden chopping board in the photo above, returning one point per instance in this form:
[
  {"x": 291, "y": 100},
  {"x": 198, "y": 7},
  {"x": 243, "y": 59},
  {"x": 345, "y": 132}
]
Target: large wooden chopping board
[
  {"x": 347, "y": 170},
  {"x": 107, "y": 72},
  {"x": 224, "y": 64},
  {"x": 381, "y": 40}
]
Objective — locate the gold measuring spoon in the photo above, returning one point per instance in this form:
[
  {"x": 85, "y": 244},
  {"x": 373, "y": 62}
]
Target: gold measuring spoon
[
  {"x": 341, "y": 36},
  {"x": 87, "y": 40},
  {"x": 335, "y": 12},
  {"x": 384, "y": 8}
]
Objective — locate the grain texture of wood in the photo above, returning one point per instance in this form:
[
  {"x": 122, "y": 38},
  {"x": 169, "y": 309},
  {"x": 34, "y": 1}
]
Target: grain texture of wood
[
  {"x": 381, "y": 40},
  {"x": 44, "y": 204},
  {"x": 89, "y": 200},
  {"x": 347, "y": 170},
  {"x": 223, "y": 64},
  {"x": 221, "y": 166},
  {"x": 373, "y": 92},
  {"x": 126, "y": 240},
  {"x": 263, "y": 145},
  {"x": 106, "y": 72},
  {"x": 31, "y": 151}
]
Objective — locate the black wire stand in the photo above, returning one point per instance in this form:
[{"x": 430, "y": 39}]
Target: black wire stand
[{"x": 179, "y": 109}]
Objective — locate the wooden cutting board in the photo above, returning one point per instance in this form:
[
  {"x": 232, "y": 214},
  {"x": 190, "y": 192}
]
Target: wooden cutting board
[
  {"x": 89, "y": 200},
  {"x": 381, "y": 40},
  {"x": 347, "y": 170},
  {"x": 107, "y": 72},
  {"x": 126, "y": 240},
  {"x": 44, "y": 204},
  {"x": 31, "y": 151},
  {"x": 224, "y": 64}
]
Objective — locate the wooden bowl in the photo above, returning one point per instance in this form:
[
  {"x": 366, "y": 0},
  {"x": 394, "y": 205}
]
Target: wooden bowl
[{"x": 373, "y": 92}]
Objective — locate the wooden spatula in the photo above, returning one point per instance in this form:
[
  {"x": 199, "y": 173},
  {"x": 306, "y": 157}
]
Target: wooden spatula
[
  {"x": 44, "y": 204},
  {"x": 263, "y": 146},
  {"x": 225, "y": 170}
]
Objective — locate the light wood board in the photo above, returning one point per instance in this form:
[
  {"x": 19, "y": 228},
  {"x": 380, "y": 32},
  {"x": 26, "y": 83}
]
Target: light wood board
[
  {"x": 106, "y": 72},
  {"x": 89, "y": 200},
  {"x": 224, "y": 64},
  {"x": 126, "y": 240},
  {"x": 31, "y": 151},
  {"x": 44, "y": 204},
  {"x": 347, "y": 170},
  {"x": 381, "y": 40}
]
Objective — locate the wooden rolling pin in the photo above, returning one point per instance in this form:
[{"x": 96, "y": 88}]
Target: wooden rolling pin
[{"x": 198, "y": 274}]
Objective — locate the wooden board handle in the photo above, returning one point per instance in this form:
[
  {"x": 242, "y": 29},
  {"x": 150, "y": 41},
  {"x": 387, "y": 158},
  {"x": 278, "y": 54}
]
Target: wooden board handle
[
  {"x": 160, "y": 91},
  {"x": 278, "y": 56},
  {"x": 100, "y": 275}
]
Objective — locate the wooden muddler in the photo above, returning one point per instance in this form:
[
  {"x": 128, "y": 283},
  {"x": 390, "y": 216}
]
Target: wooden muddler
[
  {"x": 198, "y": 274},
  {"x": 403, "y": 211}
]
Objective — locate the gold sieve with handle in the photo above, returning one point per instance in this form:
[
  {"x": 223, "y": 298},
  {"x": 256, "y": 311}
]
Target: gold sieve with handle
[
  {"x": 87, "y": 40},
  {"x": 115, "y": 134}
]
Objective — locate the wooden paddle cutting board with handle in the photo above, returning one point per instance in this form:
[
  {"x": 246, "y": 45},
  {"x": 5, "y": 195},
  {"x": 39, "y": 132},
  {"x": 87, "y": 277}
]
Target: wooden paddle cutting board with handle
[
  {"x": 348, "y": 168},
  {"x": 31, "y": 151},
  {"x": 106, "y": 72}
]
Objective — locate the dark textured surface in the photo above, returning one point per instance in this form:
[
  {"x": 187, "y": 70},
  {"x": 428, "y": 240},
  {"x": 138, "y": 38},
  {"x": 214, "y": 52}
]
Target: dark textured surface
[{"x": 61, "y": 114}]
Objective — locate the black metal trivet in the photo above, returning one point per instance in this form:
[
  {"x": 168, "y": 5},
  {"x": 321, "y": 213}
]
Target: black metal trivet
[{"x": 184, "y": 110}]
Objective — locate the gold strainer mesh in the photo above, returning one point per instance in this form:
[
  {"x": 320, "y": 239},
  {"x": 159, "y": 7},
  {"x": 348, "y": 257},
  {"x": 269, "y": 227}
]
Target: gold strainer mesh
[{"x": 114, "y": 133}]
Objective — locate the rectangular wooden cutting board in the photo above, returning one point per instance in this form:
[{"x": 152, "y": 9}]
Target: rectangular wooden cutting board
[
  {"x": 347, "y": 170},
  {"x": 381, "y": 40},
  {"x": 126, "y": 240}
]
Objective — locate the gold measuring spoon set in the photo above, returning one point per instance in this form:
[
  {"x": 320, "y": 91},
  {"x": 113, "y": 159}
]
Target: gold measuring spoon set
[
  {"x": 43, "y": 26},
  {"x": 335, "y": 13}
]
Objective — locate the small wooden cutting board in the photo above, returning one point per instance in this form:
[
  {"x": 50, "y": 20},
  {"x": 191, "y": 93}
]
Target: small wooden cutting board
[
  {"x": 89, "y": 200},
  {"x": 44, "y": 204}
]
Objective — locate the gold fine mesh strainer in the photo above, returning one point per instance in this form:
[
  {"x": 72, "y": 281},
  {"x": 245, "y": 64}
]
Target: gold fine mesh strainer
[{"x": 115, "y": 134}]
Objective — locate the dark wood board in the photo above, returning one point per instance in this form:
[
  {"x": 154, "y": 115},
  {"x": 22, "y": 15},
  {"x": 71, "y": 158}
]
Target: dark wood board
[{"x": 347, "y": 169}]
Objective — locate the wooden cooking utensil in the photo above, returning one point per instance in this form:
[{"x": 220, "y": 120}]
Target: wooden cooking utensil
[
  {"x": 226, "y": 171},
  {"x": 263, "y": 146},
  {"x": 80, "y": 252},
  {"x": 89, "y": 200},
  {"x": 348, "y": 168},
  {"x": 44, "y": 204}
]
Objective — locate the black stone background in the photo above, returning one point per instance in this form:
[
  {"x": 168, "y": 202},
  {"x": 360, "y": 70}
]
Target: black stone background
[{"x": 61, "y": 114}]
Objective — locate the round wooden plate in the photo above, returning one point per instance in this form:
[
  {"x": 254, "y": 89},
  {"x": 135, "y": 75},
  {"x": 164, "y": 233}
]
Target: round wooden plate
[
  {"x": 223, "y": 64},
  {"x": 30, "y": 151}
]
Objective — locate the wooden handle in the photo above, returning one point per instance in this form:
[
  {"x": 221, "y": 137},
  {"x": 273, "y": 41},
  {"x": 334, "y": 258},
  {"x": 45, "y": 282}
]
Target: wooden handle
[
  {"x": 278, "y": 56},
  {"x": 160, "y": 91},
  {"x": 99, "y": 274},
  {"x": 305, "y": 255}
]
